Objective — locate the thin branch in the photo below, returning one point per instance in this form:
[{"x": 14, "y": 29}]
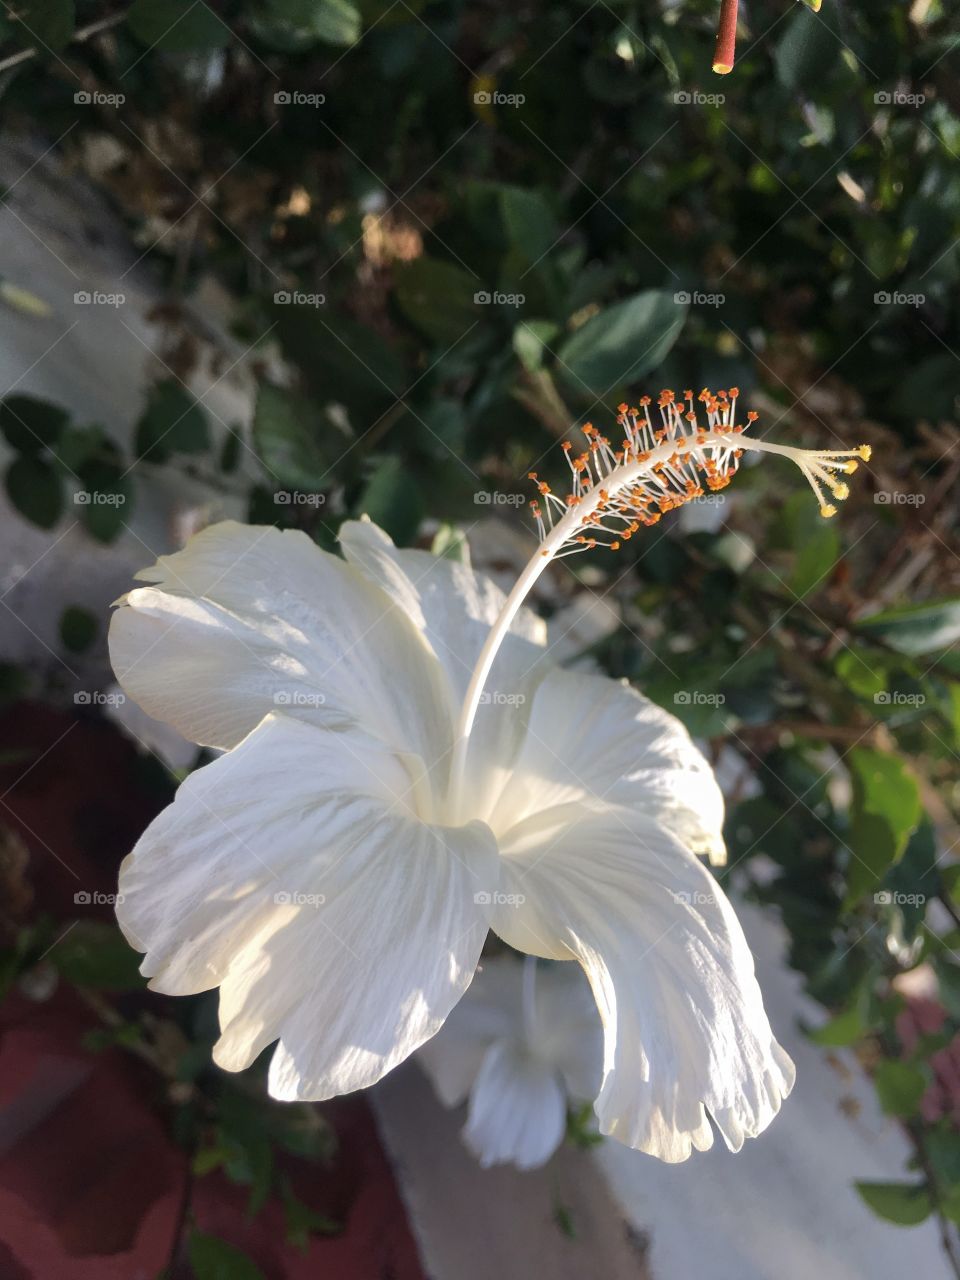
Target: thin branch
[
  {"x": 726, "y": 52},
  {"x": 79, "y": 37}
]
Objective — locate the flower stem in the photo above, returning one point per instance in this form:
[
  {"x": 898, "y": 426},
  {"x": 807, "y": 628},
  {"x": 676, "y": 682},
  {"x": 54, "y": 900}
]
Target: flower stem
[{"x": 529, "y": 997}]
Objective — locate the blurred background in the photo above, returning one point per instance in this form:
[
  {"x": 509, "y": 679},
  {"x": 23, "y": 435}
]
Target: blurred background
[{"x": 295, "y": 260}]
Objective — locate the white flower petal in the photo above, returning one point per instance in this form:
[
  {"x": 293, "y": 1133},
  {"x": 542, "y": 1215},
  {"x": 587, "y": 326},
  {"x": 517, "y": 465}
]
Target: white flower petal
[
  {"x": 247, "y": 619},
  {"x": 454, "y": 607},
  {"x": 594, "y": 741},
  {"x": 567, "y": 1031},
  {"x": 671, "y": 972},
  {"x": 547, "y": 1013},
  {"x": 293, "y": 873},
  {"x": 490, "y": 1011},
  {"x": 517, "y": 1110}
]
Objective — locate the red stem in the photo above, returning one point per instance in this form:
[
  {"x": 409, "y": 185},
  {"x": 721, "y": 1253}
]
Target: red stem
[{"x": 725, "y": 54}]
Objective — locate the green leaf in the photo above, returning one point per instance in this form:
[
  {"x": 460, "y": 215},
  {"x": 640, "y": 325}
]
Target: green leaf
[
  {"x": 335, "y": 21},
  {"x": 885, "y": 810},
  {"x": 797, "y": 520},
  {"x": 35, "y": 489},
  {"x": 172, "y": 422},
  {"x": 301, "y": 1131},
  {"x": 450, "y": 543},
  {"x": 900, "y": 1086},
  {"x": 302, "y": 1222},
  {"x": 529, "y": 222},
  {"x": 914, "y": 880},
  {"x": 287, "y": 434},
  {"x": 177, "y": 26},
  {"x": 806, "y": 51},
  {"x": 341, "y": 361},
  {"x": 622, "y": 343},
  {"x": 530, "y": 339},
  {"x": 950, "y": 876},
  {"x": 916, "y": 629},
  {"x": 948, "y": 985},
  {"x": 291, "y": 26},
  {"x": 906, "y": 1203},
  {"x": 46, "y": 25},
  {"x": 943, "y": 1151},
  {"x": 564, "y": 1220},
  {"x": 387, "y": 13},
  {"x": 843, "y": 1029},
  {"x": 582, "y": 1127},
  {"x": 104, "y": 501},
  {"x": 816, "y": 561},
  {"x": 932, "y": 383},
  {"x": 78, "y": 628},
  {"x": 77, "y": 445},
  {"x": 213, "y": 1259},
  {"x": 440, "y": 429},
  {"x": 230, "y": 452},
  {"x": 861, "y": 672},
  {"x": 392, "y": 500},
  {"x": 95, "y": 954},
  {"x": 949, "y": 700},
  {"x": 439, "y": 298},
  {"x": 14, "y": 683},
  {"x": 29, "y": 424}
]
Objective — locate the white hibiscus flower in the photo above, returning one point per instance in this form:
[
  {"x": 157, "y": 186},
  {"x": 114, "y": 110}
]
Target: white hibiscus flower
[
  {"x": 523, "y": 1043},
  {"x": 404, "y": 770}
]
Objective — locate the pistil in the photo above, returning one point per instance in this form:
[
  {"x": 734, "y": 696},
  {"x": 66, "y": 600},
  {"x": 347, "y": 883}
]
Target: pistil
[{"x": 614, "y": 492}]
